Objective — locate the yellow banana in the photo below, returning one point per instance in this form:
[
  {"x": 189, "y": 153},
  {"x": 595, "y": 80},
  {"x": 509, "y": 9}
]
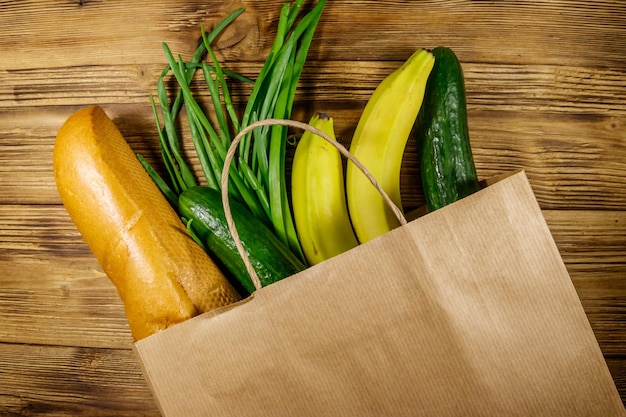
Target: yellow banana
[
  {"x": 318, "y": 195},
  {"x": 379, "y": 142}
]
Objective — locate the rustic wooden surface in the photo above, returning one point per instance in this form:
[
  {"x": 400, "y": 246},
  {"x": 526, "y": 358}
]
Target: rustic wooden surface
[{"x": 546, "y": 85}]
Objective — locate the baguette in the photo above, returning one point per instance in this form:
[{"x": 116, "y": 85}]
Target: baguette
[{"x": 162, "y": 276}]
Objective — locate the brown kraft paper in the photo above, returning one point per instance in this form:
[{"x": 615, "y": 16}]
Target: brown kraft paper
[{"x": 467, "y": 311}]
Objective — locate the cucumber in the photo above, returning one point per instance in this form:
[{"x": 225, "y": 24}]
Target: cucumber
[
  {"x": 272, "y": 260},
  {"x": 446, "y": 162}
]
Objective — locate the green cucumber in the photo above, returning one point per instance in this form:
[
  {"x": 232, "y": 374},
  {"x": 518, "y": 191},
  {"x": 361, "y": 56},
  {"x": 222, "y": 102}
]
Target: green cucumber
[
  {"x": 446, "y": 162},
  {"x": 272, "y": 260}
]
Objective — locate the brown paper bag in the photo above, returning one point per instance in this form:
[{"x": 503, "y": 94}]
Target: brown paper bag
[{"x": 467, "y": 311}]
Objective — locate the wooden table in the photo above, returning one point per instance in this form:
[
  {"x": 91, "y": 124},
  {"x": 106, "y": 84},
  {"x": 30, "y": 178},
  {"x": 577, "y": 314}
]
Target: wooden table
[{"x": 546, "y": 85}]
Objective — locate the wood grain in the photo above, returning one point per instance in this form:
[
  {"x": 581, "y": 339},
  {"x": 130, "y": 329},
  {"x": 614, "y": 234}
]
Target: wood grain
[
  {"x": 545, "y": 83},
  {"x": 72, "y": 381},
  {"x": 525, "y": 32}
]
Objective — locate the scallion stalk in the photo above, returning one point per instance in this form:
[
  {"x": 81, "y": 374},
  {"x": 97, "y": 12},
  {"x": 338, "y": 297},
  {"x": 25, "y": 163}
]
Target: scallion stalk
[{"x": 258, "y": 175}]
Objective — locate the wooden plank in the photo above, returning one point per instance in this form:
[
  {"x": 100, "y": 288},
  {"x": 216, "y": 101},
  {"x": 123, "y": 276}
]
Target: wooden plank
[
  {"x": 589, "y": 237},
  {"x": 116, "y": 31},
  {"x": 523, "y": 32},
  {"x": 617, "y": 367},
  {"x": 53, "y": 290},
  {"x": 68, "y": 302},
  {"x": 561, "y": 89},
  {"x": 72, "y": 381},
  {"x": 574, "y": 162},
  {"x": 592, "y": 244}
]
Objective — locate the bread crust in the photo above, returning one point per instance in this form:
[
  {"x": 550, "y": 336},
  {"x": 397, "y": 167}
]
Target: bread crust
[{"x": 162, "y": 276}]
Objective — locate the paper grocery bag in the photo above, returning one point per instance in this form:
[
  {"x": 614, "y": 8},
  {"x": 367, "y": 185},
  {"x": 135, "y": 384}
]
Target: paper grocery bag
[{"x": 467, "y": 311}]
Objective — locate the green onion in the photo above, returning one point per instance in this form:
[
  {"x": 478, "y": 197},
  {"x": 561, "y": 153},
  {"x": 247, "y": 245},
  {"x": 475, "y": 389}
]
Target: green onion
[{"x": 257, "y": 176}]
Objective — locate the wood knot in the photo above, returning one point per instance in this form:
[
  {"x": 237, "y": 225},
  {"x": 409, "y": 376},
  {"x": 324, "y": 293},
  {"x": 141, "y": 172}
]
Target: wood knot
[{"x": 241, "y": 37}]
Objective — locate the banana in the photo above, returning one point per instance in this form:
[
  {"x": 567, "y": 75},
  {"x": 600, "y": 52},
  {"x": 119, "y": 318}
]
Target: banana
[
  {"x": 379, "y": 142},
  {"x": 318, "y": 195}
]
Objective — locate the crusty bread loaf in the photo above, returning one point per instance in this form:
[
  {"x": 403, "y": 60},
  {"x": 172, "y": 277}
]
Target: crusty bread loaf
[{"x": 161, "y": 274}]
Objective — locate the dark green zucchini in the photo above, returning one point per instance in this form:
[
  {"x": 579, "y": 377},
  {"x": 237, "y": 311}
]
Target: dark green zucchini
[
  {"x": 270, "y": 258},
  {"x": 446, "y": 162}
]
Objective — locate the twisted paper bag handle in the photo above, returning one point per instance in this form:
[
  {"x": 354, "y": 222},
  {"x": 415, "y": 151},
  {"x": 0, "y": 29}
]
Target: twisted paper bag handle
[{"x": 291, "y": 123}]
